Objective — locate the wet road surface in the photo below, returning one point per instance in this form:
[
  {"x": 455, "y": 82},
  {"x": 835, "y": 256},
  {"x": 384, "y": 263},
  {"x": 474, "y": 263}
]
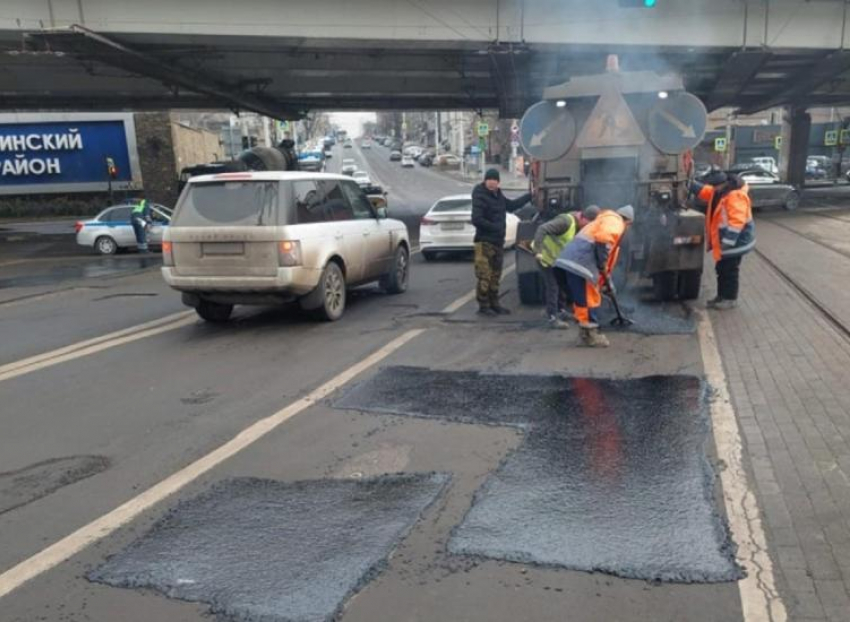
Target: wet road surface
[{"x": 153, "y": 406}]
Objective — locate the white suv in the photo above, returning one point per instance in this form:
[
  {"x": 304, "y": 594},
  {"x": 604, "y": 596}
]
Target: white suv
[{"x": 274, "y": 237}]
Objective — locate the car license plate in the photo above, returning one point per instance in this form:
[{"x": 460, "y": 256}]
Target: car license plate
[
  {"x": 223, "y": 248},
  {"x": 452, "y": 226}
]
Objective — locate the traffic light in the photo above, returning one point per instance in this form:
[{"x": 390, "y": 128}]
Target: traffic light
[{"x": 111, "y": 169}]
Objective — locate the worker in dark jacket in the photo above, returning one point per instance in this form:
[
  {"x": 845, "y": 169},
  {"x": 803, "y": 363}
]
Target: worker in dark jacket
[{"x": 489, "y": 209}]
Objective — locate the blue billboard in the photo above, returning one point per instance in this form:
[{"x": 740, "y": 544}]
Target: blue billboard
[{"x": 43, "y": 153}]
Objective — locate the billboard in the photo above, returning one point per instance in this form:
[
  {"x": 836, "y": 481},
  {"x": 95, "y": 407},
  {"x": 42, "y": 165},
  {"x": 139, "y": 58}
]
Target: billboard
[{"x": 55, "y": 152}]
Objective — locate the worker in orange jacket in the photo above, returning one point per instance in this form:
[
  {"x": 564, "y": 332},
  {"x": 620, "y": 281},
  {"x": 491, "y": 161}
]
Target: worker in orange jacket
[
  {"x": 729, "y": 229},
  {"x": 587, "y": 263}
]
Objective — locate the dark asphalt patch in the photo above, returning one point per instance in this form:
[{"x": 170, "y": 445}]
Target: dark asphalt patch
[
  {"x": 23, "y": 486},
  {"x": 265, "y": 551},
  {"x": 612, "y": 476}
]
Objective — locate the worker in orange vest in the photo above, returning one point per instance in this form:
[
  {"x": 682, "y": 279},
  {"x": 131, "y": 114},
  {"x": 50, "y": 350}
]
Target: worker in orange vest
[
  {"x": 729, "y": 229},
  {"x": 587, "y": 263}
]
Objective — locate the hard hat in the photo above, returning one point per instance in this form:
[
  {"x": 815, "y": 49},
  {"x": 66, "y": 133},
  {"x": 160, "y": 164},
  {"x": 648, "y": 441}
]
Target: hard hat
[{"x": 627, "y": 212}]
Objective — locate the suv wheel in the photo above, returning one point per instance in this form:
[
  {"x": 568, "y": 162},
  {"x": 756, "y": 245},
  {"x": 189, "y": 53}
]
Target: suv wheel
[
  {"x": 214, "y": 311},
  {"x": 332, "y": 290},
  {"x": 396, "y": 281}
]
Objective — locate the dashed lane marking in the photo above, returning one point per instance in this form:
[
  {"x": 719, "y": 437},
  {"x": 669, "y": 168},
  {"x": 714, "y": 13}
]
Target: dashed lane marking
[{"x": 760, "y": 600}]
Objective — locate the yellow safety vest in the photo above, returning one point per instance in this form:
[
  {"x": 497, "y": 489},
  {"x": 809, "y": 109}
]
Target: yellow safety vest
[{"x": 554, "y": 244}]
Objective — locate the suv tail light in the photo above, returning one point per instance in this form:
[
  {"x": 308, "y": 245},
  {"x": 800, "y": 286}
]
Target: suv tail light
[
  {"x": 167, "y": 254},
  {"x": 289, "y": 253},
  {"x": 78, "y": 226}
]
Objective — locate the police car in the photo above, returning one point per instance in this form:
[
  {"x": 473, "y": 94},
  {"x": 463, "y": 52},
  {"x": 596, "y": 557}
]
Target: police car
[{"x": 111, "y": 231}]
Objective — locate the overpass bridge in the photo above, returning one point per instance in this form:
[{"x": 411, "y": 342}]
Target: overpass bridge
[{"x": 284, "y": 58}]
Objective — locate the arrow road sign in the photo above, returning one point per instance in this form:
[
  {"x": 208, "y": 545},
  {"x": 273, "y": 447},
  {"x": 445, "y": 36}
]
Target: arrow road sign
[
  {"x": 677, "y": 123},
  {"x": 546, "y": 131}
]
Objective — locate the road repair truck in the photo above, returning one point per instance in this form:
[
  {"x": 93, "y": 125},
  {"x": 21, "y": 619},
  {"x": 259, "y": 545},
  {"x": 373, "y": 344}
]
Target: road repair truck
[{"x": 616, "y": 139}]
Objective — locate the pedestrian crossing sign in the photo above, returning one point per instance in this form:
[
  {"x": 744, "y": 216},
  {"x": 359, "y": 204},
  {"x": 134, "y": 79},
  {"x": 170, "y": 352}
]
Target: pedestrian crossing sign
[
  {"x": 845, "y": 137},
  {"x": 830, "y": 139},
  {"x": 483, "y": 130},
  {"x": 777, "y": 143},
  {"x": 720, "y": 145}
]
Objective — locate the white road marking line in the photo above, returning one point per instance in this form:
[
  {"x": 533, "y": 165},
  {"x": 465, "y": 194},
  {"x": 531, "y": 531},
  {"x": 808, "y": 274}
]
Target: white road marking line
[
  {"x": 97, "y": 344},
  {"x": 107, "y": 524},
  {"x": 760, "y": 600},
  {"x": 467, "y": 298}
]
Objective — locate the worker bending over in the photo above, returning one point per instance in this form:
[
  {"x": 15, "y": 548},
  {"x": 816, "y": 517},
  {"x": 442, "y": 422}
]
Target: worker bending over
[
  {"x": 729, "y": 229},
  {"x": 586, "y": 265},
  {"x": 550, "y": 239}
]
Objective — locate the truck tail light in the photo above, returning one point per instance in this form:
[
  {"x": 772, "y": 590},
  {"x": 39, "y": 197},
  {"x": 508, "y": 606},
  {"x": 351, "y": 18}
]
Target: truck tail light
[
  {"x": 78, "y": 226},
  {"x": 167, "y": 254},
  {"x": 289, "y": 253}
]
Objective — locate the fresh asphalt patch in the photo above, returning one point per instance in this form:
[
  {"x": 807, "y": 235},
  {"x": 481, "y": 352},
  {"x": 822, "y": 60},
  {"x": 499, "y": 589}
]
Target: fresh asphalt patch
[
  {"x": 612, "y": 476},
  {"x": 650, "y": 317},
  {"x": 266, "y": 551}
]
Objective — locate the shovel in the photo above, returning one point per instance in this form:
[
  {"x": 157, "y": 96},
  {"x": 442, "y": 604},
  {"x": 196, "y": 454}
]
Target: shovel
[{"x": 620, "y": 320}]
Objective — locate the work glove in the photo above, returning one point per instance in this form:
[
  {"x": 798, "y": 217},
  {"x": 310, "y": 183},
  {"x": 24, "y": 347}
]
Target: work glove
[{"x": 608, "y": 287}]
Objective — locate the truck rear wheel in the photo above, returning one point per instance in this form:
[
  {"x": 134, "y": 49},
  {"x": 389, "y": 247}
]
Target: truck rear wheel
[
  {"x": 664, "y": 285},
  {"x": 689, "y": 284}
]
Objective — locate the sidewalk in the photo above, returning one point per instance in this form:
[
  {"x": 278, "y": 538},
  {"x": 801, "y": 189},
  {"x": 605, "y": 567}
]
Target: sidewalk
[
  {"x": 787, "y": 367},
  {"x": 510, "y": 181}
]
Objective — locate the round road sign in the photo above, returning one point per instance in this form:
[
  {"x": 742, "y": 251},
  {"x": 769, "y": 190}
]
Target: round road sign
[
  {"x": 677, "y": 123},
  {"x": 546, "y": 131}
]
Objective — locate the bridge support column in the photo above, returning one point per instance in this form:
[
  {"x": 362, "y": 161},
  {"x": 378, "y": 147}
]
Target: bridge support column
[{"x": 796, "y": 125}]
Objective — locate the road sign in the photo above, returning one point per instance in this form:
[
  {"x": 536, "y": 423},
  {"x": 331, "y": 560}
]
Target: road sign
[
  {"x": 777, "y": 143},
  {"x": 483, "y": 130},
  {"x": 845, "y": 137},
  {"x": 283, "y": 125},
  {"x": 677, "y": 123},
  {"x": 546, "y": 131},
  {"x": 830, "y": 139},
  {"x": 720, "y": 145},
  {"x": 611, "y": 124}
]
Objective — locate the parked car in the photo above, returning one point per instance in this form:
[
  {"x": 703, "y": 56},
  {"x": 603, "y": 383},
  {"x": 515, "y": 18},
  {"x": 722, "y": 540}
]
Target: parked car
[
  {"x": 348, "y": 166},
  {"x": 407, "y": 161},
  {"x": 766, "y": 189},
  {"x": 448, "y": 161},
  {"x": 311, "y": 161},
  {"x": 111, "y": 231},
  {"x": 395, "y": 155},
  {"x": 815, "y": 171},
  {"x": 362, "y": 178},
  {"x": 268, "y": 237},
  {"x": 767, "y": 163},
  {"x": 447, "y": 227},
  {"x": 366, "y": 144},
  {"x": 426, "y": 159}
]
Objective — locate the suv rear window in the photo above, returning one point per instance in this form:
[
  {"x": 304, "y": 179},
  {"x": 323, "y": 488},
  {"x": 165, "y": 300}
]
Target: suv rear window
[{"x": 236, "y": 203}]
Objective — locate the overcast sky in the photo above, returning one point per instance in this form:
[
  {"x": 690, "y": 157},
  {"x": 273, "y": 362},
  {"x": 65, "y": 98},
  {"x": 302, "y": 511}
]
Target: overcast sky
[{"x": 352, "y": 122}]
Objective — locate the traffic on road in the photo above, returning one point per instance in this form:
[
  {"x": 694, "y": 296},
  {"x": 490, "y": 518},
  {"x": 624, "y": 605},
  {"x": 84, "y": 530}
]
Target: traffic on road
[{"x": 578, "y": 354}]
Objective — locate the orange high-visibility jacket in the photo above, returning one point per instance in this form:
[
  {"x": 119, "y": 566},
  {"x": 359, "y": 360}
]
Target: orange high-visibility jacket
[
  {"x": 729, "y": 225},
  {"x": 598, "y": 242}
]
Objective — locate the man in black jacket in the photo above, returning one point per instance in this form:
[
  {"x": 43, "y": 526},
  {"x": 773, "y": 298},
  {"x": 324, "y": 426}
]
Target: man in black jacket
[{"x": 489, "y": 208}]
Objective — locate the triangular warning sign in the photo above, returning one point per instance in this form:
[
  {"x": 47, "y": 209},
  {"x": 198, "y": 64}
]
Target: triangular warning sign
[{"x": 611, "y": 124}]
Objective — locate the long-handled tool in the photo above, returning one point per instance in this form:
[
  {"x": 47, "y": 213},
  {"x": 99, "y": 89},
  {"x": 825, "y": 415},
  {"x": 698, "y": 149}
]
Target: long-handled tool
[{"x": 620, "y": 320}]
